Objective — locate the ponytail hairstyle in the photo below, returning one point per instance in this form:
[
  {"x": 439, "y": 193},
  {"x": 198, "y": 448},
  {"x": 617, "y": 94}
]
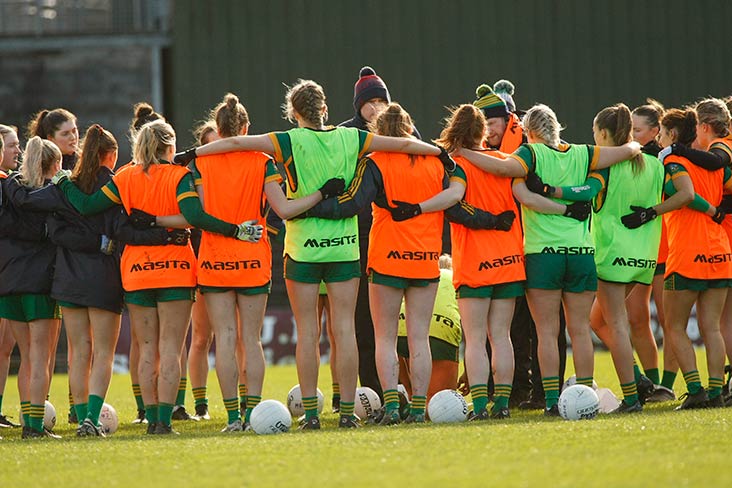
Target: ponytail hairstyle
[
  {"x": 98, "y": 142},
  {"x": 306, "y": 98},
  {"x": 40, "y": 156},
  {"x": 652, "y": 111},
  {"x": 203, "y": 130},
  {"x": 684, "y": 122},
  {"x": 464, "y": 127},
  {"x": 230, "y": 116},
  {"x": 151, "y": 142},
  {"x": 542, "y": 122},
  {"x": 47, "y": 122},
  {"x": 393, "y": 121},
  {"x": 617, "y": 120},
  {"x": 714, "y": 112},
  {"x": 144, "y": 114}
]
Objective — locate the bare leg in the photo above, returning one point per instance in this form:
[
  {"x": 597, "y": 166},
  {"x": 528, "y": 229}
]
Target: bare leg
[
  {"x": 677, "y": 307},
  {"x": 174, "y": 319},
  {"x": 419, "y": 304},
  {"x": 638, "y": 304},
  {"x": 200, "y": 344},
  {"x": 577, "y": 308},
  {"x": 304, "y": 302},
  {"x": 7, "y": 343},
  {"x": 342, "y": 305},
  {"x": 145, "y": 327},
  {"x": 105, "y": 327},
  {"x": 385, "y": 304},
  {"x": 79, "y": 335},
  {"x": 251, "y": 310}
]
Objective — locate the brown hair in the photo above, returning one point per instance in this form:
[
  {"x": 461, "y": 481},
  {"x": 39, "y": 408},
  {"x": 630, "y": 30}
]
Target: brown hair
[
  {"x": 464, "y": 127},
  {"x": 652, "y": 111},
  {"x": 151, "y": 142},
  {"x": 684, "y": 121},
  {"x": 202, "y": 130},
  {"x": 393, "y": 121},
  {"x": 618, "y": 122},
  {"x": 307, "y": 98},
  {"x": 144, "y": 113},
  {"x": 98, "y": 142},
  {"x": 40, "y": 155},
  {"x": 46, "y": 123},
  {"x": 230, "y": 116},
  {"x": 714, "y": 112}
]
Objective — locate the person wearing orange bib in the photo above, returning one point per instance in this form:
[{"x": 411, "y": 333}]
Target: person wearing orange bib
[
  {"x": 317, "y": 249},
  {"x": 158, "y": 280},
  {"x": 699, "y": 265}
]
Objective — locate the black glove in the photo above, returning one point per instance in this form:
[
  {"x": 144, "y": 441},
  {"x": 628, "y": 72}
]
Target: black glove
[
  {"x": 332, "y": 188},
  {"x": 578, "y": 211},
  {"x": 535, "y": 184},
  {"x": 141, "y": 220},
  {"x": 719, "y": 215},
  {"x": 504, "y": 220},
  {"x": 107, "y": 246},
  {"x": 179, "y": 237},
  {"x": 446, "y": 160},
  {"x": 185, "y": 157},
  {"x": 726, "y": 204},
  {"x": 640, "y": 216},
  {"x": 404, "y": 211}
]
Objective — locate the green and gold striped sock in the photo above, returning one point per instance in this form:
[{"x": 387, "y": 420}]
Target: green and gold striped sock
[
  {"x": 479, "y": 394},
  {"x": 252, "y": 401},
  {"x": 668, "y": 380},
  {"x": 551, "y": 390},
  {"x": 336, "y": 391},
  {"x": 199, "y": 395},
  {"x": 81, "y": 411},
  {"x": 36, "y": 417},
  {"x": 310, "y": 404},
  {"x": 152, "y": 413},
  {"x": 95, "y": 408},
  {"x": 232, "y": 409},
  {"x": 138, "y": 397},
  {"x": 715, "y": 387},
  {"x": 630, "y": 392},
  {"x": 165, "y": 413},
  {"x": 71, "y": 402},
  {"x": 25, "y": 412},
  {"x": 693, "y": 382},
  {"x": 347, "y": 408},
  {"x": 182, "y": 385},
  {"x": 242, "y": 393},
  {"x": 418, "y": 405},
  {"x": 501, "y": 394},
  {"x": 391, "y": 400},
  {"x": 653, "y": 375},
  {"x": 586, "y": 381}
]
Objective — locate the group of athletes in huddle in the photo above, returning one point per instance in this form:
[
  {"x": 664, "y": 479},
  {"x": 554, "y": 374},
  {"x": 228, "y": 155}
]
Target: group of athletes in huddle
[{"x": 78, "y": 235}]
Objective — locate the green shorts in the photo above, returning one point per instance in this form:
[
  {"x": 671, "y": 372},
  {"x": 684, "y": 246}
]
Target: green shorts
[
  {"x": 441, "y": 350},
  {"x": 503, "y": 290},
  {"x": 676, "y": 282},
  {"x": 397, "y": 282},
  {"x": 151, "y": 297},
  {"x": 246, "y": 290},
  {"x": 316, "y": 272},
  {"x": 28, "y": 307},
  {"x": 573, "y": 273}
]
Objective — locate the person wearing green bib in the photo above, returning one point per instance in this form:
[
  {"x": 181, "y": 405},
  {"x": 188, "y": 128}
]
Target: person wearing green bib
[
  {"x": 318, "y": 249},
  {"x": 560, "y": 266}
]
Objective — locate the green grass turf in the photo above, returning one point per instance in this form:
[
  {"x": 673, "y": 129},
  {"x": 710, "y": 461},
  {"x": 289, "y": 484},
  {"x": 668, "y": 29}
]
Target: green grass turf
[{"x": 655, "y": 448}]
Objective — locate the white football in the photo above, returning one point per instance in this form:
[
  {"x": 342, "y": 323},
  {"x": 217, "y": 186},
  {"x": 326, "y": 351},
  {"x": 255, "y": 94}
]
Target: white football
[
  {"x": 367, "y": 401},
  {"x": 49, "y": 416},
  {"x": 294, "y": 401},
  {"x": 579, "y": 402},
  {"x": 270, "y": 417},
  {"x": 447, "y": 406},
  {"x": 108, "y": 419}
]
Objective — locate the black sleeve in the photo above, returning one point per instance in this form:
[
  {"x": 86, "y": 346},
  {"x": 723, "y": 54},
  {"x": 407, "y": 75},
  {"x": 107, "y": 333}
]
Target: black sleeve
[
  {"x": 366, "y": 186},
  {"x": 471, "y": 217},
  {"x": 70, "y": 236},
  {"x": 710, "y": 160},
  {"x": 121, "y": 230},
  {"x": 46, "y": 199}
]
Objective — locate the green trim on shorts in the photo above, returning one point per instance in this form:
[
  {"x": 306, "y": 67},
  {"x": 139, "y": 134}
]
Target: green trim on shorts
[
  {"x": 441, "y": 350},
  {"x": 332, "y": 272},
  {"x": 512, "y": 289},
  {"x": 151, "y": 297},
  {"x": 323, "y": 290},
  {"x": 573, "y": 273},
  {"x": 677, "y": 282},
  {"x": 398, "y": 282},
  {"x": 29, "y": 307},
  {"x": 64, "y": 304},
  {"x": 660, "y": 269},
  {"x": 244, "y": 290}
]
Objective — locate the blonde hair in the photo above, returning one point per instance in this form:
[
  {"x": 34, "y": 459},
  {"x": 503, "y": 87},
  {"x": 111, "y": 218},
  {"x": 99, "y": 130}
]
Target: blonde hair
[
  {"x": 306, "y": 98},
  {"x": 714, "y": 112},
  {"x": 393, "y": 121},
  {"x": 464, "y": 127},
  {"x": 230, "y": 116},
  {"x": 542, "y": 122},
  {"x": 151, "y": 142},
  {"x": 40, "y": 156}
]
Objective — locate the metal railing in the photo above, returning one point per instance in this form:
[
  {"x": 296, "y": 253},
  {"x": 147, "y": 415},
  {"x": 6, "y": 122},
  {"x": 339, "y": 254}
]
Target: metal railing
[{"x": 20, "y": 18}]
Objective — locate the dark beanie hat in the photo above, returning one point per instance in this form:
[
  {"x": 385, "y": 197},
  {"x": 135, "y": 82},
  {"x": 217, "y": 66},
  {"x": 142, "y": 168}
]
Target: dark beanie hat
[
  {"x": 491, "y": 104},
  {"x": 368, "y": 86}
]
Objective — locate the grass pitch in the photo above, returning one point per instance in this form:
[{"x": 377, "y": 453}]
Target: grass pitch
[{"x": 655, "y": 448}]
